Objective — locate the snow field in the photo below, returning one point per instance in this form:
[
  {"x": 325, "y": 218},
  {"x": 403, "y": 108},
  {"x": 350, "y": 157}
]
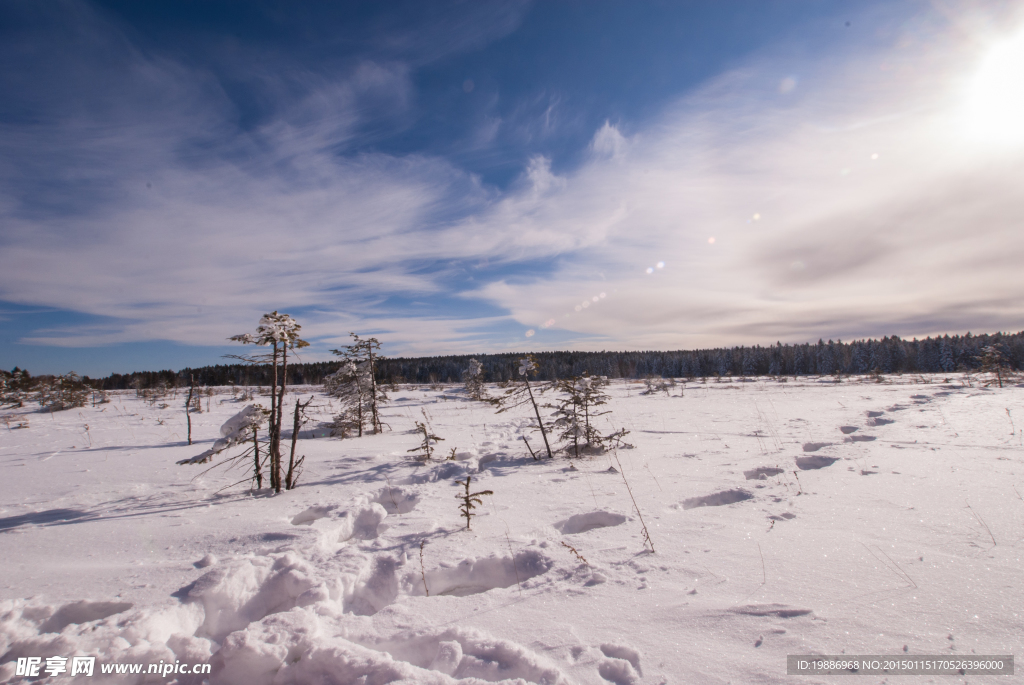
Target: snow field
[{"x": 799, "y": 517}]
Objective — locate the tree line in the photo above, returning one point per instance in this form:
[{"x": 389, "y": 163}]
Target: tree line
[{"x": 945, "y": 354}]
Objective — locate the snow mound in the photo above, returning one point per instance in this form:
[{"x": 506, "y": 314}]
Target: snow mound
[
  {"x": 581, "y": 523},
  {"x": 304, "y": 647},
  {"x": 396, "y": 500},
  {"x": 81, "y": 612},
  {"x": 312, "y": 514}
]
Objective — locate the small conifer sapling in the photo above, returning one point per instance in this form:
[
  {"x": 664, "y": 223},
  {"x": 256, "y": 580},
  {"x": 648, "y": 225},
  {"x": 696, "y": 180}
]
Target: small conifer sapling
[
  {"x": 425, "y": 448},
  {"x": 470, "y": 500}
]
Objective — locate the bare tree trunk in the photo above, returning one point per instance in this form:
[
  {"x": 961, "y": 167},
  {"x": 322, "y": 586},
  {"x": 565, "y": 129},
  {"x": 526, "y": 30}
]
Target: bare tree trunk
[
  {"x": 540, "y": 423},
  {"x": 188, "y": 407},
  {"x": 280, "y": 413},
  {"x": 377, "y": 427},
  {"x": 275, "y": 428},
  {"x": 257, "y": 467},
  {"x": 291, "y": 478}
]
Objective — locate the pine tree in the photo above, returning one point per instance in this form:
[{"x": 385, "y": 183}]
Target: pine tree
[
  {"x": 993, "y": 361},
  {"x": 351, "y": 385},
  {"x": 576, "y": 411},
  {"x": 362, "y": 354}
]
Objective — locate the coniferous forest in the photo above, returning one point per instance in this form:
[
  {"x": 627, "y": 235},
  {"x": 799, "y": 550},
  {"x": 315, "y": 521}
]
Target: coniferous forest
[{"x": 890, "y": 355}]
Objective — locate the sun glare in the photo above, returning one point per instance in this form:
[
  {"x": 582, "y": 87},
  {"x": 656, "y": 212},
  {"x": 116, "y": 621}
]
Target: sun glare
[{"x": 995, "y": 104}]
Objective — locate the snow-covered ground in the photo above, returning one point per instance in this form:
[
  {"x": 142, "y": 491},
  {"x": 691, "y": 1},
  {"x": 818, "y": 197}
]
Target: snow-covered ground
[{"x": 887, "y": 518}]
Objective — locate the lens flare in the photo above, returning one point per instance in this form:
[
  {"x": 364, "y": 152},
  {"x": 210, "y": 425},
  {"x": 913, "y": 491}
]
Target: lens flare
[
  {"x": 661, "y": 265},
  {"x": 529, "y": 333},
  {"x": 711, "y": 240},
  {"x": 650, "y": 269}
]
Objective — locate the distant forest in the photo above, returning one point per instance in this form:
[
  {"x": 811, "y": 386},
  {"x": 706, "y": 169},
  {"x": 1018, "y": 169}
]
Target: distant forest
[{"x": 888, "y": 355}]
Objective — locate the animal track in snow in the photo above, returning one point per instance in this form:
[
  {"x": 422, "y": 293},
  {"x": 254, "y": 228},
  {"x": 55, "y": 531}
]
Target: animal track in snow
[
  {"x": 718, "y": 499},
  {"x": 815, "y": 462},
  {"x": 762, "y": 472},
  {"x": 618, "y": 671},
  {"x": 815, "y": 446},
  {"x": 614, "y": 651},
  {"x": 581, "y": 523},
  {"x": 861, "y": 438}
]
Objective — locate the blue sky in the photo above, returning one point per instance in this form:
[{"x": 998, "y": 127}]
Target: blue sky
[{"x": 485, "y": 176}]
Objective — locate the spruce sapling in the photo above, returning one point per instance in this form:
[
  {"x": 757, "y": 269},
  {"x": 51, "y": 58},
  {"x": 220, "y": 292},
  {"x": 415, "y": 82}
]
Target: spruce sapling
[
  {"x": 470, "y": 500},
  {"x": 425, "y": 449},
  {"x": 575, "y": 412}
]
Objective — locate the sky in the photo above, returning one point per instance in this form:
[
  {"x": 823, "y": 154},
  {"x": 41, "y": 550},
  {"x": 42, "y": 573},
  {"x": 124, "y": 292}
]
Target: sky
[{"x": 467, "y": 177}]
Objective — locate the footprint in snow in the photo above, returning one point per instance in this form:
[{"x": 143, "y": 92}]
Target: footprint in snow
[
  {"x": 775, "y": 610},
  {"x": 762, "y": 473},
  {"x": 815, "y": 462},
  {"x": 718, "y": 499},
  {"x": 815, "y": 446},
  {"x": 848, "y": 429},
  {"x": 581, "y": 523},
  {"x": 622, "y": 665}
]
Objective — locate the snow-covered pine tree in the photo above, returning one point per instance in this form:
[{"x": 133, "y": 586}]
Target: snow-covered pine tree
[
  {"x": 363, "y": 353},
  {"x": 351, "y": 385},
  {"x": 993, "y": 362},
  {"x": 576, "y": 411},
  {"x": 281, "y": 333},
  {"x": 946, "y": 361},
  {"x": 473, "y": 377}
]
